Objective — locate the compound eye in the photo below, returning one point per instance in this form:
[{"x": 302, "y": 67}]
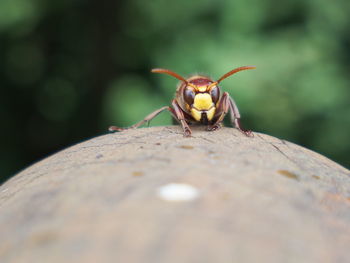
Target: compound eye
[
  {"x": 189, "y": 95},
  {"x": 215, "y": 94}
]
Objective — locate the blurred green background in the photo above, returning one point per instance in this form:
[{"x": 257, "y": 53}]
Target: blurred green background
[{"x": 71, "y": 68}]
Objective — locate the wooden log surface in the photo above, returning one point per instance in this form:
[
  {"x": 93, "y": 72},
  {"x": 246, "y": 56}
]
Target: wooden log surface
[{"x": 151, "y": 195}]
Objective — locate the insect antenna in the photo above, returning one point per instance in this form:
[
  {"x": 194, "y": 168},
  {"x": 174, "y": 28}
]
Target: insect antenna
[
  {"x": 234, "y": 71},
  {"x": 169, "y": 72}
]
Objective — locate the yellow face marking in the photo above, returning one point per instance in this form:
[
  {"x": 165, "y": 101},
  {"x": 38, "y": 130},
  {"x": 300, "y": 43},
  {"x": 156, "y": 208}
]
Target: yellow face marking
[
  {"x": 210, "y": 113},
  {"x": 202, "y": 101},
  {"x": 202, "y": 88},
  {"x": 196, "y": 114}
]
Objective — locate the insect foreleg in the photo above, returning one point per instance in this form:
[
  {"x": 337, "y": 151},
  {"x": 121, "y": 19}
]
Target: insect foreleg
[
  {"x": 223, "y": 107},
  {"x": 181, "y": 118}
]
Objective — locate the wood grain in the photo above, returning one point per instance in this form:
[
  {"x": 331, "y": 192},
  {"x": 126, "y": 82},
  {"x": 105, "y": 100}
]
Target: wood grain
[{"x": 261, "y": 199}]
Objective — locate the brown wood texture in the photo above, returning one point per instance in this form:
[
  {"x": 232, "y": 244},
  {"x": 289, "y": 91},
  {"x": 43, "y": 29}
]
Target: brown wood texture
[{"x": 260, "y": 199}]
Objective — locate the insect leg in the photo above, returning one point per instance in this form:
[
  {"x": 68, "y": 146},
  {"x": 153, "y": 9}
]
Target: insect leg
[
  {"x": 226, "y": 104},
  {"x": 222, "y": 108},
  {"x": 146, "y": 119},
  {"x": 236, "y": 117},
  {"x": 181, "y": 118}
]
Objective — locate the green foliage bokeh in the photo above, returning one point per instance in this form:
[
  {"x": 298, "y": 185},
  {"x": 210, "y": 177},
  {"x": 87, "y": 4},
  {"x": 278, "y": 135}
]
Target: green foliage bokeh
[{"x": 69, "y": 69}]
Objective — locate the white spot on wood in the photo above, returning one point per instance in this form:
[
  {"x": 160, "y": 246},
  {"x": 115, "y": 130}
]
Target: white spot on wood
[{"x": 178, "y": 192}]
